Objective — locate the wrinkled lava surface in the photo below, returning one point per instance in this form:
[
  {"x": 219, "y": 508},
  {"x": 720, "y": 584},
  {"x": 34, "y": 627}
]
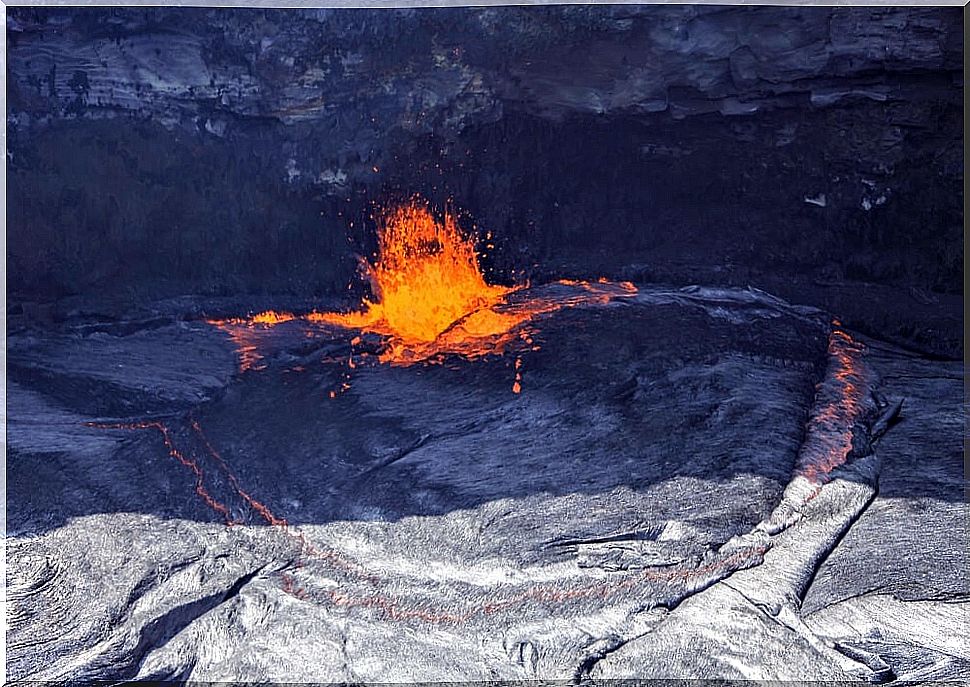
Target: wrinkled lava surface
[{"x": 182, "y": 509}]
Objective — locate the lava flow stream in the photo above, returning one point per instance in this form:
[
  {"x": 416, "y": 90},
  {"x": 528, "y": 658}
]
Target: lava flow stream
[
  {"x": 841, "y": 403},
  {"x": 187, "y": 460}
]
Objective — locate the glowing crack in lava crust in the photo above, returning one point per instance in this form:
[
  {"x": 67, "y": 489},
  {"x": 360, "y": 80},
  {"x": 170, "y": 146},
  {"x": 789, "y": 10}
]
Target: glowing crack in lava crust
[{"x": 430, "y": 297}]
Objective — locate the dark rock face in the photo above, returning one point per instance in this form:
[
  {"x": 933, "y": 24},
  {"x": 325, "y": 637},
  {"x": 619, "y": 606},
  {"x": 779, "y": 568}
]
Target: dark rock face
[{"x": 803, "y": 150}]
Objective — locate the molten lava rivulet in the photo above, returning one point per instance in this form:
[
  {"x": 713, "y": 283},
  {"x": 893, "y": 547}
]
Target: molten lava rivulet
[
  {"x": 430, "y": 298},
  {"x": 841, "y": 405},
  {"x": 244, "y": 332},
  {"x": 389, "y": 605}
]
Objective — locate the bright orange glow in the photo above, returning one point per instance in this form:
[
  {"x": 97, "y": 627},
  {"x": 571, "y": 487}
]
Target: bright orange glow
[
  {"x": 247, "y": 347},
  {"x": 428, "y": 287},
  {"x": 269, "y": 318},
  {"x": 430, "y": 298},
  {"x": 246, "y": 341},
  {"x": 517, "y": 384},
  {"x": 272, "y": 317},
  {"x": 834, "y": 420}
]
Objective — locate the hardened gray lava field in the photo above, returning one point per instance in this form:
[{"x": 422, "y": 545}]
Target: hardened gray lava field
[{"x": 691, "y": 483}]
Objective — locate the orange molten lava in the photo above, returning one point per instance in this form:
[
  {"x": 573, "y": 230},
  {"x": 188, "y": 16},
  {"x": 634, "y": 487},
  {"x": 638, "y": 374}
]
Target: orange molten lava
[
  {"x": 429, "y": 291},
  {"x": 430, "y": 299},
  {"x": 834, "y": 420},
  {"x": 244, "y": 335}
]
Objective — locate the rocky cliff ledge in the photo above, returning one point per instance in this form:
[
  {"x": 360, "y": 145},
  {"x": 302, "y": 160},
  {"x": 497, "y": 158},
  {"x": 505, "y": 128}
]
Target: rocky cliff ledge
[{"x": 224, "y": 151}]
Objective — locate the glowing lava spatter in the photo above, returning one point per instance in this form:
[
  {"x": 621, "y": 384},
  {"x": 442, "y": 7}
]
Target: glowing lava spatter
[
  {"x": 428, "y": 289},
  {"x": 517, "y": 384},
  {"x": 430, "y": 299}
]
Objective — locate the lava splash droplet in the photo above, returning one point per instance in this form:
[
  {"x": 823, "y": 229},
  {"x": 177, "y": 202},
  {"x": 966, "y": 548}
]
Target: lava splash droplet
[
  {"x": 430, "y": 299},
  {"x": 428, "y": 288}
]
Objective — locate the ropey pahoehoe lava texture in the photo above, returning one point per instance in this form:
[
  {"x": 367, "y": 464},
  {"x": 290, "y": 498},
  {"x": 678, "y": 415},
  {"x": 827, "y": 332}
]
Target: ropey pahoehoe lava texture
[{"x": 549, "y": 344}]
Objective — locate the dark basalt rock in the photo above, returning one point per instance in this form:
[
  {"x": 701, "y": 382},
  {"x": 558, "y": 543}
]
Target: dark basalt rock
[
  {"x": 705, "y": 482},
  {"x": 642, "y": 497},
  {"x": 171, "y": 150}
]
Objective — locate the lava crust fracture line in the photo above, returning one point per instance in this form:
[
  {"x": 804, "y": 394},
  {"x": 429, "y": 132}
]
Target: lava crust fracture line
[
  {"x": 307, "y": 548},
  {"x": 257, "y": 506},
  {"x": 271, "y": 519},
  {"x": 174, "y": 452},
  {"x": 828, "y": 445},
  {"x": 840, "y": 404},
  {"x": 391, "y": 607},
  {"x": 833, "y": 424}
]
